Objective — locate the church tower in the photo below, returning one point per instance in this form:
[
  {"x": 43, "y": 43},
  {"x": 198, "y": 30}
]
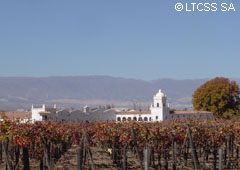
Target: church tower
[{"x": 160, "y": 108}]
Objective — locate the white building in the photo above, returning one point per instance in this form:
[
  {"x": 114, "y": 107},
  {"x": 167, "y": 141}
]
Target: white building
[
  {"x": 21, "y": 116},
  {"x": 160, "y": 111},
  {"x": 43, "y": 113}
]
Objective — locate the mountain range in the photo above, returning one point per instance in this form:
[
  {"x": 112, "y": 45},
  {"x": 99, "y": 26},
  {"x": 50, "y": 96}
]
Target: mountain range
[{"x": 78, "y": 91}]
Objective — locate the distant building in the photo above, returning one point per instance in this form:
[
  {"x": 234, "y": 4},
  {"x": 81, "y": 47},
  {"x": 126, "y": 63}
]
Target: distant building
[
  {"x": 160, "y": 111},
  {"x": 22, "y": 116},
  {"x": 46, "y": 113},
  {"x": 43, "y": 113},
  {"x": 86, "y": 109},
  {"x": 86, "y": 114}
]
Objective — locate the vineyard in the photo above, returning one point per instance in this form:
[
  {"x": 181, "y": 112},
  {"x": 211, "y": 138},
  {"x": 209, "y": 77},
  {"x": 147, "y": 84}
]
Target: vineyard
[{"x": 211, "y": 144}]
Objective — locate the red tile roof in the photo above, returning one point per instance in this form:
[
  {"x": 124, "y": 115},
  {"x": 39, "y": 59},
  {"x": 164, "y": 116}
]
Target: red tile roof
[
  {"x": 135, "y": 112},
  {"x": 44, "y": 113},
  {"x": 16, "y": 115},
  {"x": 191, "y": 112},
  {"x": 175, "y": 112}
]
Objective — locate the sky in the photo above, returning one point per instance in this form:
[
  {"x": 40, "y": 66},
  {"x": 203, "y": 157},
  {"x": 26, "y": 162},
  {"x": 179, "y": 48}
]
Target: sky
[{"x": 141, "y": 39}]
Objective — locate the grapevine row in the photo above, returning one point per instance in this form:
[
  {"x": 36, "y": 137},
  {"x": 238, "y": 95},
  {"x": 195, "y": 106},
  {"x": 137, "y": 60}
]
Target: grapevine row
[{"x": 47, "y": 141}]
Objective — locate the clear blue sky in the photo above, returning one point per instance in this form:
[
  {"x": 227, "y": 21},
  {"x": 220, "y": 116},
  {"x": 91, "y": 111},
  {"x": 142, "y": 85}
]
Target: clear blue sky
[{"x": 143, "y": 39}]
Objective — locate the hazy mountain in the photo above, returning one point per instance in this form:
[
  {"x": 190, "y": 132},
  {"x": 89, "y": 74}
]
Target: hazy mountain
[{"x": 77, "y": 91}]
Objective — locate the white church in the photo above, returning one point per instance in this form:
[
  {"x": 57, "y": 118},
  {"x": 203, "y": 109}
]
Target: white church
[{"x": 160, "y": 111}]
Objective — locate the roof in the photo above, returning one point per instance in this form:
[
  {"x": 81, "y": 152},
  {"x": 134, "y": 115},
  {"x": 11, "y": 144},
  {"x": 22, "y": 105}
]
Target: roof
[
  {"x": 44, "y": 113},
  {"x": 191, "y": 112},
  {"x": 135, "y": 112},
  {"x": 159, "y": 93},
  {"x": 16, "y": 115}
]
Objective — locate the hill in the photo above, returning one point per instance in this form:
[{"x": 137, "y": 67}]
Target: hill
[{"x": 77, "y": 91}]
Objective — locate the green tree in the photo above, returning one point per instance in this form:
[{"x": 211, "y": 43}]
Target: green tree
[{"x": 220, "y": 96}]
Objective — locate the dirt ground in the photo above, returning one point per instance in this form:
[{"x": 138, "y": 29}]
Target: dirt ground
[
  {"x": 102, "y": 161},
  {"x": 68, "y": 161}
]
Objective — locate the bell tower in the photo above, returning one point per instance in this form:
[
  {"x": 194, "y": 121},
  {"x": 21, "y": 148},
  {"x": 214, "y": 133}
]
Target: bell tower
[{"x": 159, "y": 108}]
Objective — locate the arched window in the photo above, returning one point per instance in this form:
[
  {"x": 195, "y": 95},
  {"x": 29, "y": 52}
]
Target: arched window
[
  {"x": 124, "y": 119},
  {"x": 134, "y": 118},
  {"x": 129, "y": 118},
  {"x": 157, "y": 104},
  {"x": 156, "y": 117},
  {"x": 150, "y": 119},
  {"x": 145, "y": 119},
  {"x": 140, "y": 119},
  {"x": 119, "y": 119}
]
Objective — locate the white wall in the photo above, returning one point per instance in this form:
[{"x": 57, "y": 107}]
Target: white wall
[
  {"x": 35, "y": 113},
  {"x": 200, "y": 116},
  {"x": 121, "y": 116},
  {"x": 160, "y": 111},
  {"x": 160, "y": 108},
  {"x": 157, "y": 113}
]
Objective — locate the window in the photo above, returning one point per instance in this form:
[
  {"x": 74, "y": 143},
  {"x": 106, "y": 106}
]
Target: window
[
  {"x": 156, "y": 117},
  {"x": 145, "y": 119},
  {"x": 135, "y": 118},
  {"x": 124, "y": 119},
  {"x": 157, "y": 104},
  {"x": 140, "y": 119},
  {"x": 129, "y": 118},
  {"x": 119, "y": 119}
]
